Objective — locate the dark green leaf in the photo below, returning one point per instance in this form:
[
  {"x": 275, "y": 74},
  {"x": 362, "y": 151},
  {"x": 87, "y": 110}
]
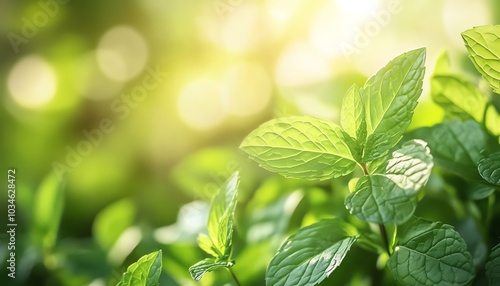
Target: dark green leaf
[
  {"x": 312, "y": 254},
  {"x": 145, "y": 272},
  {"x": 493, "y": 266},
  {"x": 489, "y": 168},
  {"x": 300, "y": 147},
  {"x": 207, "y": 265},
  {"x": 431, "y": 254}
]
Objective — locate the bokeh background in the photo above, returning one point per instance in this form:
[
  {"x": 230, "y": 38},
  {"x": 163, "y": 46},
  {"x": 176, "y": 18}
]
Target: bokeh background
[{"x": 134, "y": 110}]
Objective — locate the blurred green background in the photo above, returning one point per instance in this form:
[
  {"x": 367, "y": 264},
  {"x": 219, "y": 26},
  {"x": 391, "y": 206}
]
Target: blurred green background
[{"x": 127, "y": 115}]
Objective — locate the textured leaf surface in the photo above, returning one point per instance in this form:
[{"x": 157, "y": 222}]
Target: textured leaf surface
[
  {"x": 489, "y": 168},
  {"x": 431, "y": 254},
  {"x": 207, "y": 265},
  {"x": 483, "y": 45},
  {"x": 145, "y": 272},
  {"x": 312, "y": 254},
  {"x": 221, "y": 217},
  {"x": 493, "y": 266},
  {"x": 455, "y": 145},
  {"x": 300, "y": 147},
  {"x": 458, "y": 97},
  {"x": 352, "y": 116},
  {"x": 392, "y": 94},
  {"x": 379, "y": 199}
]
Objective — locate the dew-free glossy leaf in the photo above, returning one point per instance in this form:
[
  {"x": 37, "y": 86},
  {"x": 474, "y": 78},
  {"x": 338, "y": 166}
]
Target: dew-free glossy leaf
[
  {"x": 221, "y": 216},
  {"x": 145, "y": 272},
  {"x": 431, "y": 254},
  {"x": 207, "y": 265},
  {"x": 455, "y": 146},
  {"x": 489, "y": 168},
  {"x": 493, "y": 266},
  {"x": 206, "y": 244},
  {"x": 391, "y": 96},
  {"x": 352, "y": 116},
  {"x": 411, "y": 165},
  {"x": 312, "y": 254},
  {"x": 300, "y": 147},
  {"x": 379, "y": 199},
  {"x": 483, "y": 45},
  {"x": 458, "y": 97}
]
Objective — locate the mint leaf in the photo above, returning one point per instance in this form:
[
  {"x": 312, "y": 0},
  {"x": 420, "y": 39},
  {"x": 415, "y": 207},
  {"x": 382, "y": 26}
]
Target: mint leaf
[
  {"x": 431, "y": 254},
  {"x": 458, "y": 97},
  {"x": 489, "y": 168},
  {"x": 300, "y": 147},
  {"x": 391, "y": 97},
  {"x": 312, "y": 254},
  {"x": 112, "y": 221},
  {"x": 145, "y": 272},
  {"x": 455, "y": 146},
  {"x": 207, "y": 265},
  {"x": 379, "y": 199},
  {"x": 221, "y": 217},
  {"x": 206, "y": 244},
  {"x": 493, "y": 266},
  {"x": 484, "y": 50},
  {"x": 352, "y": 116},
  {"x": 411, "y": 165}
]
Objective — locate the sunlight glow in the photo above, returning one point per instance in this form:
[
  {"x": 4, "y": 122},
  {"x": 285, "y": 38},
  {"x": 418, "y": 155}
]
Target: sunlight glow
[
  {"x": 357, "y": 8},
  {"x": 243, "y": 29},
  {"x": 32, "y": 82}
]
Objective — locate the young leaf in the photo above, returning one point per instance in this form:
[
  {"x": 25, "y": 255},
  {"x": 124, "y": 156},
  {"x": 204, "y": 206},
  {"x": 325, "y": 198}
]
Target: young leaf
[
  {"x": 312, "y": 254},
  {"x": 221, "y": 217},
  {"x": 145, "y": 272},
  {"x": 207, "y": 265},
  {"x": 455, "y": 145},
  {"x": 378, "y": 199},
  {"x": 352, "y": 116},
  {"x": 458, "y": 97},
  {"x": 300, "y": 147},
  {"x": 206, "y": 244},
  {"x": 493, "y": 266},
  {"x": 489, "y": 168},
  {"x": 391, "y": 96},
  {"x": 484, "y": 50},
  {"x": 431, "y": 254}
]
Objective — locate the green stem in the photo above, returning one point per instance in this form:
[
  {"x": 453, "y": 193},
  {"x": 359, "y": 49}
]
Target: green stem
[
  {"x": 383, "y": 233},
  {"x": 234, "y": 277}
]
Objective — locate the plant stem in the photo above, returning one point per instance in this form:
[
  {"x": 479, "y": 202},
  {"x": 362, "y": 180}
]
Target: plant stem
[
  {"x": 383, "y": 233},
  {"x": 234, "y": 277},
  {"x": 365, "y": 170}
]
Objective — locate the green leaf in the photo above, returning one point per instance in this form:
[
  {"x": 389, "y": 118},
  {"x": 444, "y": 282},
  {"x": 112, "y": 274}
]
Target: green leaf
[
  {"x": 312, "y": 254},
  {"x": 352, "y": 116},
  {"x": 489, "y": 168},
  {"x": 47, "y": 211},
  {"x": 483, "y": 45},
  {"x": 206, "y": 244},
  {"x": 493, "y": 266},
  {"x": 145, "y": 272},
  {"x": 458, "y": 97},
  {"x": 391, "y": 97},
  {"x": 379, "y": 199},
  {"x": 207, "y": 265},
  {"x": 411, "y": 165},
  {"x": 431, "y": 254},
  {"x": 455, "y": 146},
  {"x": 221, "y": 217},
  {"x": 300, "y": 147},
  {"x": 112, "y": 221}
]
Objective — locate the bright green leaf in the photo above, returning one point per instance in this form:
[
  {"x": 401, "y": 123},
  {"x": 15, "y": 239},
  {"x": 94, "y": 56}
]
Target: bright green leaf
[
  {"x": 47, "y": 211},
  {"x": 489, "y": 168},
  {"x": 206, "y": 244},
  {"x": 391, "y": 97},
  {"x": 300, "y": 147},
  {"x": 145, "y": 272},
  {"x": 455, "y": 146},
  {"x": 221, "y": 216},
  {"x": 493, "y": 266},
  {"x": 411, "y": 165},
  {"x": 483, "y": 45},
  {"x": 458, "y": 97},
  {"x": 378, "y": 199},
  {"x": 352, "y": 116},
  {"x": 312, "y": 254},
  {"x": 207, "y": 265},
  {"x": 431, "y": 254},
  {"x": 112, "y": 221}
]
